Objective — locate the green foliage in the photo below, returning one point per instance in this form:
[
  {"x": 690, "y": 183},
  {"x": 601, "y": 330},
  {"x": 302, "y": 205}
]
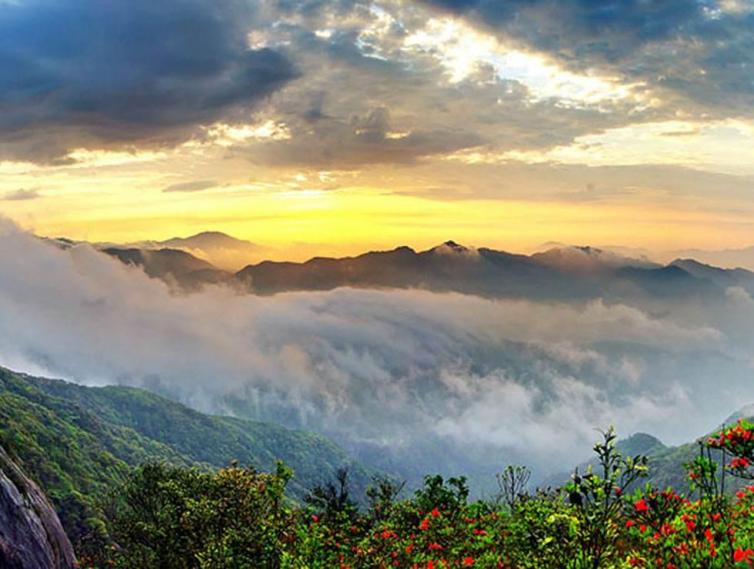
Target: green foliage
[
  {"x": 170, "y": 517},
  {"x": 597, "y": 498},
  {"x": 215, "y": 440},
  {"x": 382, "y": 496},
  {"x": 333, "y": 499},
  {"x": 72, "y": 453},
  {"x": 176, "y": 518},
  {"x": 79, "y": 443},
  {"x": 512, "y": 483},
  {"x": 450, "y": 495},
  {"x": 542, "y": 532},
  {"x": 177, "y": 511}
]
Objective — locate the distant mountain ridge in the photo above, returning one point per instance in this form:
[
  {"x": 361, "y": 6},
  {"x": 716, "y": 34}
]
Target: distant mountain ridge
[
  {"x": 727, "y": 258},
  {"x": 666, "y": 463},
  {"x": 731, "y": 258},
  {"x": 177, "y": 268},
  {"x": 589, "y": 258},
  {"x": 558, "y": 273},
  {"x": 223, "y": 251},
  {"x": 216, "y": 248},
  {"x": 561, "y": 273}
]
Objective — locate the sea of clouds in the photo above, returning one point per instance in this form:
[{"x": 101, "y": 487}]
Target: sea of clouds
[{"x": 507, "y": 380}]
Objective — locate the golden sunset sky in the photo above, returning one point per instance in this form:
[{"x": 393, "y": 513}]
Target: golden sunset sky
[{"x": 335, "y": 127}]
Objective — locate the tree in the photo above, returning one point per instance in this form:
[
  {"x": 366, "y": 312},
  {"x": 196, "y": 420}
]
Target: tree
[
  {"x": 333, "y": 498},
  {"x": 171, "y": 517},
  {"x": 512, "y": 483},
  {"x": 597, "y": 498},
  {"x": 382, "y": 495}
]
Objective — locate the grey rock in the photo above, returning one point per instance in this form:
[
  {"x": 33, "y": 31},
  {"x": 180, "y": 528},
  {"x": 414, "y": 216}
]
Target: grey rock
[{"x": 31, "y": 536}]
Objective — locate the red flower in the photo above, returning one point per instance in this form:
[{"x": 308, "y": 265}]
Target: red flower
[
  {"x": 630, "y": 523},
  {"x": 739, "y": 463},
  {"x": 434, "y": 547},
  {"x": 641, "y": 505},
  {"x": 467, "y": 561},
  {"x": 435, "y": 513},
  {"x": 742, "y": 554},
  {"x": 425, "y": 524}
]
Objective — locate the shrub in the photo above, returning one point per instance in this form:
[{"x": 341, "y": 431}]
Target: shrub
[{"x": 237, "y": 518}]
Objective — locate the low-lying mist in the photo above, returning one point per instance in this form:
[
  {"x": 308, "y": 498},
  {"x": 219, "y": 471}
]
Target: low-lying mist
[{"x": 432, "y": 377}]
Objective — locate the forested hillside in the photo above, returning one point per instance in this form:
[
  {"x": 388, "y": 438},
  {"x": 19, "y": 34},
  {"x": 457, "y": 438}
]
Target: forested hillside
[{"x": 80, "y": 443}]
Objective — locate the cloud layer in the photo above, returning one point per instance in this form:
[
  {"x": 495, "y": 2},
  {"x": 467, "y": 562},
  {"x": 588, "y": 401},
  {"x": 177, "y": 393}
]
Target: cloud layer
[
  {"x": 698, "y": 49},
  {"x": 379, "y": 81},
  {"x": 83, "y": 73},
  {"x": 503, "y": 380}
]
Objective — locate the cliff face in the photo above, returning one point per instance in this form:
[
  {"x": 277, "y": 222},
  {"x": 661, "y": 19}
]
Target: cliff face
[{"x": 31, "y": 536}]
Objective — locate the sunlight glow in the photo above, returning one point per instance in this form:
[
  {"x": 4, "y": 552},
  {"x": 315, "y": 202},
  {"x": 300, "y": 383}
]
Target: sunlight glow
[{"x": 463, "y": 51}]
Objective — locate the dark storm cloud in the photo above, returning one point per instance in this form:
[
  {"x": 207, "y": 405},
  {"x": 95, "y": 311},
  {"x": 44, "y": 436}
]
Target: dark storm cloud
[
  {"x": 607, "y": 27},
  {"x": 703, "y": 50},
  {"x": 83, "y": 72}
]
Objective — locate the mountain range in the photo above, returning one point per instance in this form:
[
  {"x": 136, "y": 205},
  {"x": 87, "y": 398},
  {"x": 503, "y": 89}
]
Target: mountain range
[
  {"x": 731, "y": 258},
  {"x": 650, "y": 329},
  {"x": 559, "y": 273}
]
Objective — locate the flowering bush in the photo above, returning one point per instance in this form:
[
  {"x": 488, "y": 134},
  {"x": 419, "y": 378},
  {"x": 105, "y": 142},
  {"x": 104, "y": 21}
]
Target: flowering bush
[
  {"x": 738, "y": 442},
  {"x": 602, "y": 518}
]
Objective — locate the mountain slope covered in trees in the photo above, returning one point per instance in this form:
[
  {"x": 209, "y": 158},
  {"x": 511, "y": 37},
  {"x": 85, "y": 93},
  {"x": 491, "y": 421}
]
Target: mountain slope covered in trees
[{"x": 81, "y": 442}]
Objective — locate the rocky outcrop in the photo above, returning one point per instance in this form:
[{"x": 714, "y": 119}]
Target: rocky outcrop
[{"x": 31, "y": 536}]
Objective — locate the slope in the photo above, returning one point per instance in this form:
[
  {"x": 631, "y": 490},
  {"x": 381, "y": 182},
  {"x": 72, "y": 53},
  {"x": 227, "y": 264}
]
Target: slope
[{"x": 79, "y": 443}]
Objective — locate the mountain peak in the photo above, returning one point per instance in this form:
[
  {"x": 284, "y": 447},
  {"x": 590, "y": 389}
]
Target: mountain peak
[
  {"x": 586, "y": 257},
  {"x": 450, "y": 247},
  {"x": 745, "y": 412},
  {"x": 207, "y": 239}
]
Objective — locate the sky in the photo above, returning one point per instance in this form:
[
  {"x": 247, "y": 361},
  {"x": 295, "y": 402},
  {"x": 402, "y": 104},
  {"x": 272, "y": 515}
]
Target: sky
[{"x": 344, "y": 125}]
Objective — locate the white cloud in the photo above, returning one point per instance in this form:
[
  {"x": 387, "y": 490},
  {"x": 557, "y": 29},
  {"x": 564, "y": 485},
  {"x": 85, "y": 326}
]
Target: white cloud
[
  {"x": 464, "y": 51},
  {"x": 528, "y": 380},
  {"x": 718, "y": 146}
]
